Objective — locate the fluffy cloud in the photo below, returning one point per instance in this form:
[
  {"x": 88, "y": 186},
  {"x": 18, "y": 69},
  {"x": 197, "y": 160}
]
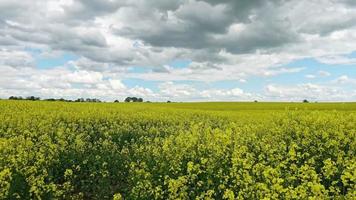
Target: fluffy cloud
[
  {"x": 16, "y": 59},
  {"x": 183, "y": 92},
  {"x": 308, "y": 91},
  {"x": 169, "y": 89},
  {"x": 323, "y": 73},
  {"x": 60, "y": 82},
  {"x": 218, "y": 93},
  {"x": 344, "y": 79},
  {"x": 142, "y": 92},
  {"x": 320, "y": 73},
  {"x": 337, "y": 60}
]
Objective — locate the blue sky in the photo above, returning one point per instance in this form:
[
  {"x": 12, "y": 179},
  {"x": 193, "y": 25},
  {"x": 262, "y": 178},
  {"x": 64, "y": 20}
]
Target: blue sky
[
  {"x": 179, "y": 51},
  {"x": 51, "y": 61}
]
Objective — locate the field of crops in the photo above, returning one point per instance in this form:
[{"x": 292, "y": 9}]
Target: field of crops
[{"x": 58, "y": 150}]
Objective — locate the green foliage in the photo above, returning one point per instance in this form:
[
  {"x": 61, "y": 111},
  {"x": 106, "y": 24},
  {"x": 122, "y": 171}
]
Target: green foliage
[{"x": 56, "y": 150}]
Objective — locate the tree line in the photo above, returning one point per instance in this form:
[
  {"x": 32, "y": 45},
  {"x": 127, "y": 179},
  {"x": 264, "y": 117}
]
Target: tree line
[
  {"x": 127, "y": 99},
  {"x": 33, "y": 98}
]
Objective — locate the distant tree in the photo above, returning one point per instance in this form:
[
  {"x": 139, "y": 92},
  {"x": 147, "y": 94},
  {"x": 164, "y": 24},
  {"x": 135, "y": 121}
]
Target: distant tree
[
  {"x": 61, "y": 99},
  {"x": 305, "y": 101},
  {"x": 133, "y": 99},
  {"x": 255, "y": 101},
  {"x": 116, "y": 101},
  {"x": 33, "y": 98},
  {"x": 79, "y": 100},
  {"x": 92, "y": 100},
  {"x": 15, "y": 98},
  {"x": 168, "y": 101}
]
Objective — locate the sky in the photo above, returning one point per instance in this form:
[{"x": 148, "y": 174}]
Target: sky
[{"x": 179, "y": 50}]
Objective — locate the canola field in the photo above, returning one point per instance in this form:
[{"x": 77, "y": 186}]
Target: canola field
[{"x": 58, "y": 150}]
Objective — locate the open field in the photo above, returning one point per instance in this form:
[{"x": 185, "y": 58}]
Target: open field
[{"x": 177, "y": 150}]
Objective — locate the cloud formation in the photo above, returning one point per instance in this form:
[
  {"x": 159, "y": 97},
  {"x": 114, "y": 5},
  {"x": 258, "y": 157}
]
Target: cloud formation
[{"x": 223, "y": 40}]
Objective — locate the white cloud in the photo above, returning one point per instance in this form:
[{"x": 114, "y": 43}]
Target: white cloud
[
  {"x": 117, "y": 84},
  {"x": 318, "y": 74},
  {"x": 310, "y": 76},
  {"x": 82, "y": 77},
  {"x": 344, "y": 79},
  {"x": 63, "y": 82},
  {"x": 142, "y": 92},
  {"x": 16, "y": 58},
  {"x": 169, "y": 89},
  {"x": 323, "y": 73},
  {"x": 183, "y": 92},
  {"x": 337, "y": 60},
  {"x": 224, "y": 93},
  {"x": 314, "y": 92}
]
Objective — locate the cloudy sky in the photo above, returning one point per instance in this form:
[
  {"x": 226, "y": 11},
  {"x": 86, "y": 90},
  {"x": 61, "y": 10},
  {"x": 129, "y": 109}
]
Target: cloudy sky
[{"x": 179, "y": 50}]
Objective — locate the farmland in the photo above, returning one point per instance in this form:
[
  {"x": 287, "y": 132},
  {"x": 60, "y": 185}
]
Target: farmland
[{"x": 221, "y": 150}]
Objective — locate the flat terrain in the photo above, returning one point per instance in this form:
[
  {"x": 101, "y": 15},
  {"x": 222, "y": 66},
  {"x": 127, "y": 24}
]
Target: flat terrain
[{"x": 220, "y": 150}]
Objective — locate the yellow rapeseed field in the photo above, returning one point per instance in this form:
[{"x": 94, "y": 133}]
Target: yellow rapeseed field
[{"x": 59, "y": 150}]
